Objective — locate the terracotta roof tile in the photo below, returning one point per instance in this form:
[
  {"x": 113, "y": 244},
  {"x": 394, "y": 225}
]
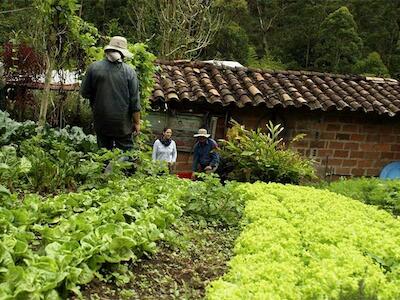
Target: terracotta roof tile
[{"x": 204, "y": 82}]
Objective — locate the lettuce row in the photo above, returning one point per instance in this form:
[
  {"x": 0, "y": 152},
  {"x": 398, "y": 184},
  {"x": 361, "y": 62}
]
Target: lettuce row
[
  {"x": 304, "y": 243},
  {"x": 50, "y": 247}
]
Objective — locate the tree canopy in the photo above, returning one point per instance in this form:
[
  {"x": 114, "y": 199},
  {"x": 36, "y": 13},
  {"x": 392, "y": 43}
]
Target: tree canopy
[{"x": 346, "y": 36}]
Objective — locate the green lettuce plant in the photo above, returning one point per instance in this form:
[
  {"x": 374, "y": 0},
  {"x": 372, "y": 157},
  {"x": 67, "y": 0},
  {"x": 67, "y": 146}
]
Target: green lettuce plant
[{"x": 305, "y": 243}]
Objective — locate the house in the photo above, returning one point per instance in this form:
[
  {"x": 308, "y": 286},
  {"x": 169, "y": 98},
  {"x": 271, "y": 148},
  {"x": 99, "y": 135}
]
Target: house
[{"x": 351, "y": 122}]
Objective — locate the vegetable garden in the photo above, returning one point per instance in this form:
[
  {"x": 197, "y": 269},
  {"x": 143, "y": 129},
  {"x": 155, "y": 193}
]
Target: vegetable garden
[{"x": 69, "y": 230}]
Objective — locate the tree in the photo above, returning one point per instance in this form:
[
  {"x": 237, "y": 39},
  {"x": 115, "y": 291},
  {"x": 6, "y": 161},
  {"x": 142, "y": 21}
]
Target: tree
[
  {"x": 12, "y": 15},
  {"x": 63, "y": 38},
  {"x": 230, "y": 43},
  {"x": 264, "y": 15},
  {"x": 186, "y": 27},
  {"x": 339, "y": 46},
  {"x": 296, "y": 33},
  {"x": 265, "y": 62},
  {"x": 379, "y": 24},
  {"x": 372, "y": 66}
]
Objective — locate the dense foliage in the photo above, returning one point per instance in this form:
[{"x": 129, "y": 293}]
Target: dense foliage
[
  {"x": 51, "y": 245},
  {"x": 48, "y": 247},
  {"x": 48, "y": 160},
  {"x": 382, "y": 193},
  {"x": 253, "y": 155},
  {"x": 293, "y": 32},
  {"x": 304, "y": 243}
]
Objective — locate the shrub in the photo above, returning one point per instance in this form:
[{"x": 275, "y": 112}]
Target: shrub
[
  {"x": 255, "y": 155},
  {"x": 382, "y": 193}
]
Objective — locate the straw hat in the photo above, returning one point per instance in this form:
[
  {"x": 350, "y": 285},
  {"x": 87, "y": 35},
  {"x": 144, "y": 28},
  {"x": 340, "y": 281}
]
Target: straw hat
[
  {"x": 202, "y": 132},
  {"x": 120, "y": 44}
]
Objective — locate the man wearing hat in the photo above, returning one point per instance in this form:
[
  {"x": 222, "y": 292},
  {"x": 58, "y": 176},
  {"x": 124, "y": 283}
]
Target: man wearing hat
[
  {"x": 205, "y": 158},
  {"x": 112, "y": 88}
]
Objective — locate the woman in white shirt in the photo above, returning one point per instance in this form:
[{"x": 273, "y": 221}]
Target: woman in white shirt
[{"x": 164, "y": 149}]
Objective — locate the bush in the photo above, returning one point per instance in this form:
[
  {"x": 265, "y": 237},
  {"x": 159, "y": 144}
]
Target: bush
[
  {"x": 254, "y": 155},
  {"x": 382, "y": 193}
]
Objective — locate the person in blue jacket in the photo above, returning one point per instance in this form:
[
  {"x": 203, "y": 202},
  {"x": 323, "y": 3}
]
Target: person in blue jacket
[{"x": 205, "y": 157}]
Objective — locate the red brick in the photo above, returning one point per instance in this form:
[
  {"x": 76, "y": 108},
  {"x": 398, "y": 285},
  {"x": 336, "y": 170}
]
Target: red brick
[
  {"x": 396, "y": 155},
  {"x": 367, "y": 147},
  {"x": 335, "y": 162},
  {"x": 343, "y": 136},
  {"x": 331, "y": 119},
  {"x": 380, "y": 163},
  {"x": 385, "y": 130},
  {"x": 341, "y": 153},
  {"x": 356, "y": 154},
  {"x": 302, "y": 143},
  {"x": 395, "y": 148},
  {"x": 373, "y": 172},
  {"x": 372, "y": 138},
  {"x": 342, "y": 171},
  {"x": 352, "y": 128},
  {"x": 335, "y": 145},
  {"x": 364, "y": 163},
  {"x": 382, "y": 147},
  {"x": 333, "y": 127},
  {"x": 387, "y": 155},
  {"x": 387, "y": 138},
  {"x": 357, "y": 172},
  {"x": 349, "y": 163},
  {"x": 358, "y": 137},
  {"x": 327, "y": 136},
  {"x": 351, "y": 146},
  {"x": 325, "y": 152},
  {"x": 370, "y": 129},
  {"x": 371, "y": 155},
  {"x": 317, "y": 144},
  {"x": 302, "y": 125}
]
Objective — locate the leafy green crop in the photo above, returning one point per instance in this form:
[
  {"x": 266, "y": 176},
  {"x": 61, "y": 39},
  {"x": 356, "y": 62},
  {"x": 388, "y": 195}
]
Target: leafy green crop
[
  {"x": 382, "y": 193},
  {"x": 50, "y": 247},
  {"x": 209, "y": 200},
  {"x": 304, "y": 243}
]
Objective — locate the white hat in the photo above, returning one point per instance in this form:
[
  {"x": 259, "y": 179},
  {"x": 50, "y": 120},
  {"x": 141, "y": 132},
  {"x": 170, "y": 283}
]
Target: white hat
[
  {"x": 202, "y": 132},
  {"x": 120, "y": 44}
]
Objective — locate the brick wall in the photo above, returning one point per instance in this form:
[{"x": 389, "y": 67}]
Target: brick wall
[
  {"x": 346, "y": 144},
  {"x": 184, "y": 162}
]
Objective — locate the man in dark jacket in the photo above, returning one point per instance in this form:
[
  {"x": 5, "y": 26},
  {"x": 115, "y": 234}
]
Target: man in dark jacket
[
  {"x": 205, "y": 158},
  {"x": 112, "y": 88}
]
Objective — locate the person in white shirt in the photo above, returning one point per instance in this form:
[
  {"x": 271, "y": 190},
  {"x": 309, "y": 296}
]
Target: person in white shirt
[{"x": 164, "y": 149}]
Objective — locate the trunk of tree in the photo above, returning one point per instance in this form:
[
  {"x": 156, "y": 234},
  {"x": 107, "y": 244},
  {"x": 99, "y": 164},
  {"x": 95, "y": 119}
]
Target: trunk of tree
[{"x": 45, "y": 100}]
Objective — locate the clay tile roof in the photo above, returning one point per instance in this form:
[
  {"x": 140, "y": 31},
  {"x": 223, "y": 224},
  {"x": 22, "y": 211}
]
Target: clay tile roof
[{"x": 239, "y": 86}]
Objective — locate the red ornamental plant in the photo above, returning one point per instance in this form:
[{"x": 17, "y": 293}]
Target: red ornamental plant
[{"x": 22, "y": 69}]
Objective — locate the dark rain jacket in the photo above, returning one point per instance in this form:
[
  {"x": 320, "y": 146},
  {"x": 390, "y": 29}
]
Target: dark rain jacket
[{"x": 113, "y": 92}]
